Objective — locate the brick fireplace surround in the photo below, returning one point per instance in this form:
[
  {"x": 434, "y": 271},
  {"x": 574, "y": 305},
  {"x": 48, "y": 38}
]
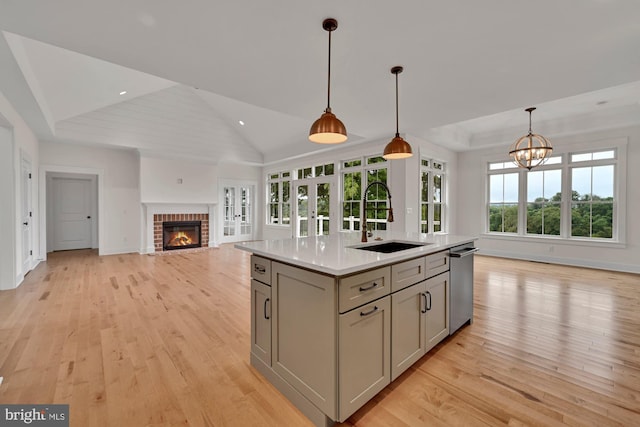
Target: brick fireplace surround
[{"x": 158, "y": 219}]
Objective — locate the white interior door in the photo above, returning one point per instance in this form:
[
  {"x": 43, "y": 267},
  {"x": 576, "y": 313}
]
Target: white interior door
[
  {"x": 71, "y": 213},
  {"x": 26, "y": 216},
  {"x": 238, "y": 215},
  {"x": 313, "y": 207}
]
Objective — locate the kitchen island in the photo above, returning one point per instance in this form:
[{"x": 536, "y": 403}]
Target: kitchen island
[{"x": 334, "y": 320}]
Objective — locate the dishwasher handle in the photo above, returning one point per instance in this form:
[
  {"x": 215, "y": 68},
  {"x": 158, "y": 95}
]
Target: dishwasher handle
[{"x": 461, "y": 253}]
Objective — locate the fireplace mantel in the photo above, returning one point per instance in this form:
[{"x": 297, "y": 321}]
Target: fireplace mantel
[{"x": 151, "y": 209}]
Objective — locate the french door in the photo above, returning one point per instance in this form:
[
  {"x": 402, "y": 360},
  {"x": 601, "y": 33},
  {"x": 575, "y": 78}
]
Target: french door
[
  {"x": 313, "y": 207},
  {"x": 237, "y": 212}
]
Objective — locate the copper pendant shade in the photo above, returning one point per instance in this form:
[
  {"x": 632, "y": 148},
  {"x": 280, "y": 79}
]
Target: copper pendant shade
[
  {"x": 530, "y": 150},
  {"x": 398, "y": 148},
  {"x": 328, "y": 129}
]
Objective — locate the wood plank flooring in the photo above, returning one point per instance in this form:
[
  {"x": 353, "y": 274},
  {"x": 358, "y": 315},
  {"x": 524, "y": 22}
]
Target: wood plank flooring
[{"x": 138, "y": 340}]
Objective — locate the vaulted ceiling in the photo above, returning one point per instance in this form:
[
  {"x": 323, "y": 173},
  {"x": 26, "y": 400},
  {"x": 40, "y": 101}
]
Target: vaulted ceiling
[{"x": 193, "y": 69}]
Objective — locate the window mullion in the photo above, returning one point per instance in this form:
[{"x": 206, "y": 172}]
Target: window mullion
[{"x": 522, "y": 203}]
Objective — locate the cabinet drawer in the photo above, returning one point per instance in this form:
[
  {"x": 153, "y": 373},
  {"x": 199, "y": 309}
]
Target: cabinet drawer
[
  {"x": 364, "y": 287},
  {"x": 407, "y": 273},
  {"x": 261, "y": 269},
  {"x": 437, "y": 263}
]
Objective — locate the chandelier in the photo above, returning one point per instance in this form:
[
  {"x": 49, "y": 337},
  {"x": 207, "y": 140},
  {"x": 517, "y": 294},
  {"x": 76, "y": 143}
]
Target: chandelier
[{"x": 530, "y": 150}]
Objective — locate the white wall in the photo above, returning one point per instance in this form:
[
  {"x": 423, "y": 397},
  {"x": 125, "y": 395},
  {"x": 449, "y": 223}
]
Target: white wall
[
  {"x": 120, "y": 198},
  {"x": 472, "y": 206},
  {"x": 15, "y": 139},
  {"x": 177, "y": 181}
]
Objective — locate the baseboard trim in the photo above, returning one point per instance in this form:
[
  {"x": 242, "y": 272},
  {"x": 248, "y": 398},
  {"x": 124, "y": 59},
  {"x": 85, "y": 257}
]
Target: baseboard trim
[{"x": 623, "y": 268}]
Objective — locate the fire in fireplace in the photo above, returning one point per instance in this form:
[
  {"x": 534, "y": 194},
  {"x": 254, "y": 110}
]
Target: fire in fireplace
[{"x": 181, "y": 235}]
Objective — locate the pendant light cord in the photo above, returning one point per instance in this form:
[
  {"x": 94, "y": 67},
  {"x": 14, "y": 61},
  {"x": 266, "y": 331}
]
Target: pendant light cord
[
  {"x": 329, "y": 76},
  {"x": 397, "y": 119}
]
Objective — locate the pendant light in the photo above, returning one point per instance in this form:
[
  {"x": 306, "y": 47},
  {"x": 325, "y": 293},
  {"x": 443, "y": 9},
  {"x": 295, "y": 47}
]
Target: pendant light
[
  {"x": 398, "y": 148},
  {"x": 530, "y": 150},
  {"x": 328, "y": 129}
]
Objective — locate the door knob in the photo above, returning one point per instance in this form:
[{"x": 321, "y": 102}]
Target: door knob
[{"x": 25, "y": 223}]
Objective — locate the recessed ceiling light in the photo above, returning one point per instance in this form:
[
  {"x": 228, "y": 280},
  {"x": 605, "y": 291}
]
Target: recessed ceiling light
[
  {"x": 123, "y": 92},
  {"x": 241, "y": 122}
]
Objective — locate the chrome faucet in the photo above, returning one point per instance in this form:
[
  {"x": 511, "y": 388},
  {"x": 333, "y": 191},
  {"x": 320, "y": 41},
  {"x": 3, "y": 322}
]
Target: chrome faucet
[{"x": 363, "y": 224}]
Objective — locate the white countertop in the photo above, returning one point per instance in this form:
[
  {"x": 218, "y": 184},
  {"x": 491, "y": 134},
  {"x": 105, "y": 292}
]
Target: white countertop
[{"x": 333, "y": 254}]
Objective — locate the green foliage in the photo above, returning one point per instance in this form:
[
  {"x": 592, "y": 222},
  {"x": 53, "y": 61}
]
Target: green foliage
[
  {"x": 503, "y": 218},
  {"x": 591, "y": 216}
]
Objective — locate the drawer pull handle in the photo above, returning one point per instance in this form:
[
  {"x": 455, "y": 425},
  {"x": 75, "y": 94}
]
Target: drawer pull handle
[
  {"x": 373, "y": 310},
  {"x": 259, "y": 268},
  {"x": 265, "y": 308},
  {"x": 373, "y": 285},
  {"x": 428, "y": 304},
  {"x": 425, "y": 309}
]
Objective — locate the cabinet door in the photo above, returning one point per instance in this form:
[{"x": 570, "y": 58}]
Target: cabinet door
[
  {"x": 437, "y": 307},
  {"x": 407, "y": 328},
  {"x": 261, "y": 321},
  {"x": 364, "y": 354},
  {"x": 304, "y": 333}
]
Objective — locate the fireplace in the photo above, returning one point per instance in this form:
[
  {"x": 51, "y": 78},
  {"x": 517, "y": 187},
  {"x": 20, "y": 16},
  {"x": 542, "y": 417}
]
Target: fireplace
[{"x": 181, "y": 235}]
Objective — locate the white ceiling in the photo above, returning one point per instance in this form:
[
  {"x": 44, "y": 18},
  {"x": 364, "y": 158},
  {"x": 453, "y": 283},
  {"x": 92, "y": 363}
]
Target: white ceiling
[{"x": 193, "y": 68}]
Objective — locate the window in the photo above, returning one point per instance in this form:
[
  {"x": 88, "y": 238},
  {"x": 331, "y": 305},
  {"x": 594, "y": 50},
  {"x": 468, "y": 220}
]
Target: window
[
  {"x": 316, "y": 171},
  {"x": 353, "y": 172},
  {"x": 503, "y": 202},
  {"x": 432, "y": 196},
  {"x": 544, "y": 202},
  {"x": 592, "y": 198},
  {"x": 279, "y": 189},
  {"x": 540, "y": 203}
]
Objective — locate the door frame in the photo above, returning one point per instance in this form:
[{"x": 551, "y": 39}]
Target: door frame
[
  {"x": 42, "y": 190},
  {"x": 52, "y": 179},
  {"x": 333, "y": 197},
  {"x": 28, "y": 262},
  {"x": 222, "y": 183}
]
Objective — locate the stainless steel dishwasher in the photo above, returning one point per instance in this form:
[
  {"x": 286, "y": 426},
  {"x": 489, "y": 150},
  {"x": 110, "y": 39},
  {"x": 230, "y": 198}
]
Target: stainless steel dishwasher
[{"x": 461, "y": 286}]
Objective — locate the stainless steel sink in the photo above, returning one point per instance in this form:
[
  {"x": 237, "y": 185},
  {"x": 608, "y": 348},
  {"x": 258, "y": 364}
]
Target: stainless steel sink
[{"x": 390, "y": 247}]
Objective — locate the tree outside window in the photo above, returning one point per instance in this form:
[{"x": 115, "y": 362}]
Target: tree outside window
[
  {"x": 592, "y": 201},
  {"x": 432, "y": 186},
  {"x": 544, "y": 202},
  {"x": 355, "y": 171},
  {"x": 503, "y": 202}
]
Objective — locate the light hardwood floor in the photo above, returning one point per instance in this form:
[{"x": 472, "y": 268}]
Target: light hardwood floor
[{"x": 137, "y": 340}]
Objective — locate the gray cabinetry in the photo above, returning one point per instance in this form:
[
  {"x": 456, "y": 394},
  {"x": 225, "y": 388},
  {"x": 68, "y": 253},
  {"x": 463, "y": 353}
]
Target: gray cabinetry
[
  {"x": 361, "y": 288},
  {"x": 407, "y": 273},
  {"x": 261, "y": 309},
  {"x": 365, "y": 348},
  {"x": 407, "y": 328},
  {"x": 304, "y": 341},
  {"x": 420, "y": 312},
  {"x": 331, "y": 343},
  {"x": 261, "y": 321},
  {"x": 436, "y": 309}
]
